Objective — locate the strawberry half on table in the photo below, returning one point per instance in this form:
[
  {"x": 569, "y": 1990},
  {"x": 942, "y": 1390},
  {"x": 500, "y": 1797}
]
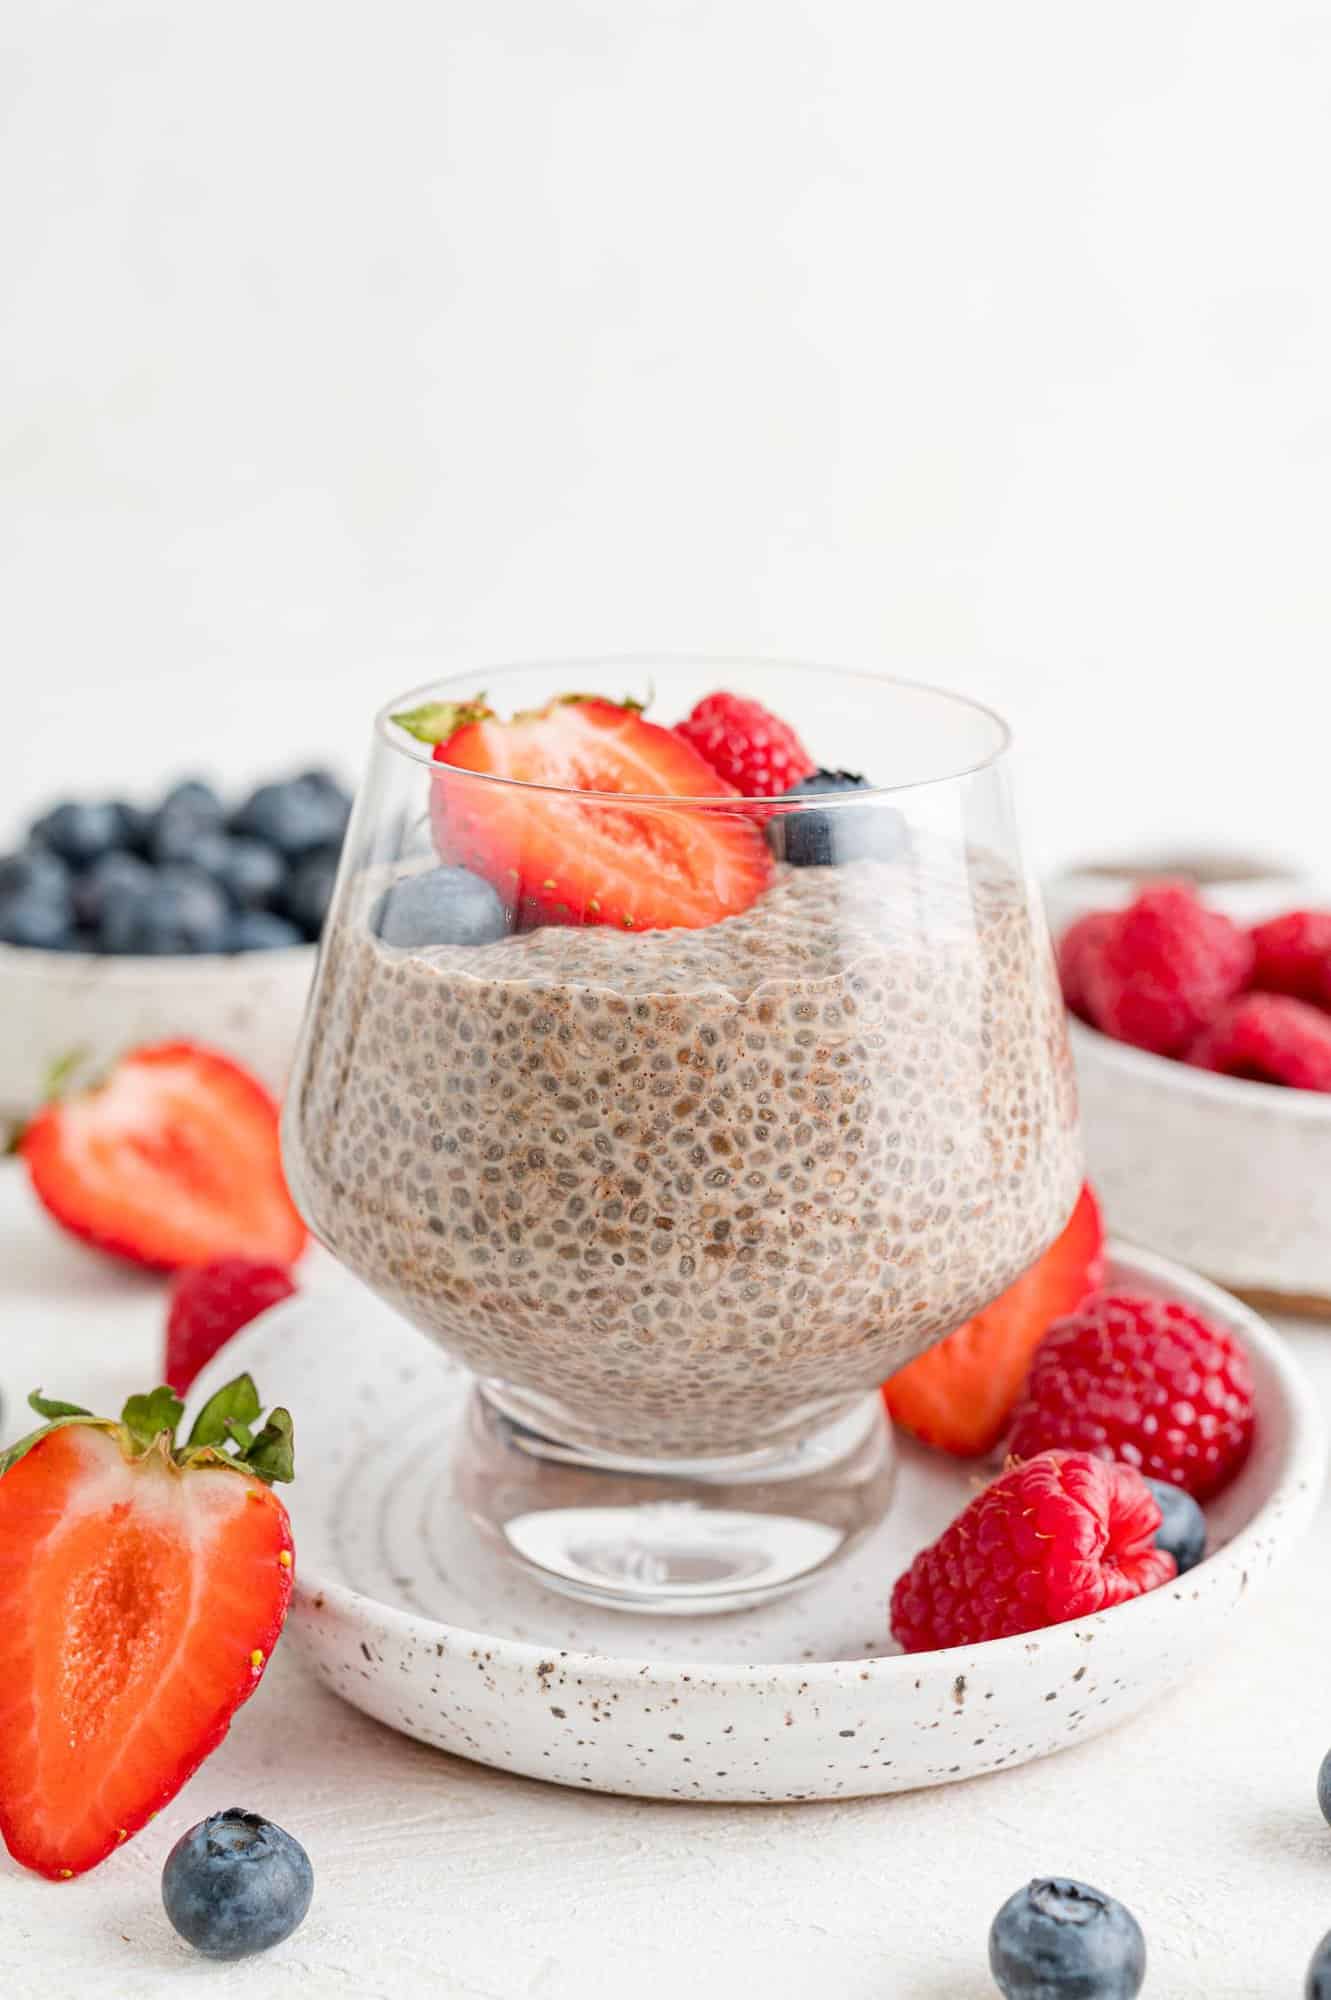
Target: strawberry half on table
[
  {"x": 562, "y": 860},
  {"x": 143, "y": 1586},
  {"x": 172, "y": 1159},
  {"x": 959, "y": 1394}
]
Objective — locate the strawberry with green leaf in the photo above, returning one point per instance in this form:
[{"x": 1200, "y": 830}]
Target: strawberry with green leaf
[
  {"x": 143, "y": 1586},
  {"x": 560, "y": 859}
]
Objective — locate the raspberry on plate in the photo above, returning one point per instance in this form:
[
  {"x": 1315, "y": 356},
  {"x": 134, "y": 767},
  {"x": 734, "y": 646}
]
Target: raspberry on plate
[
  {"x": 1268, "y": 1038},
  {"x": 1144, "y": 1380},
  {"x": 1294, "y": 956},
  {"x": 747, "y": 745},
  {"x": 210, "y": 1303},
  {"x": 1164, "y": 968},
  {"x": 1080, "y": 944},
  {"x": 1063, "y": 1536}
]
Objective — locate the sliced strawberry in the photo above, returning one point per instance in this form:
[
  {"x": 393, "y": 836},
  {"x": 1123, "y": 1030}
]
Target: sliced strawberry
[
  {"x": 564, "y": 860},
  {"x": 959, "y": 1394},
  {"x": 142, "y": 1590},
  {"x": 172, "y": 1160}
]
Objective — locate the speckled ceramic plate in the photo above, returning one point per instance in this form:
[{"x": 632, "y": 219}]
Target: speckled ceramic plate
[{"x": 402, "y": 1608}]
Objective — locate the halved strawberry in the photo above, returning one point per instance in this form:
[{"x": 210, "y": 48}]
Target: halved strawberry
[
  {"x": 959, "y": 1394},
  {"x": 172, "y": 1160},
  {"x": 564, "y": 860},
  {"x": 142, "y": 1590}
]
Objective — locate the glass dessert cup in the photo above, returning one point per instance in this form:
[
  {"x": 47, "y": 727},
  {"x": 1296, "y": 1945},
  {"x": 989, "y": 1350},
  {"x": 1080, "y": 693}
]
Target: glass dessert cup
[{"x": 681, "y": 1188}]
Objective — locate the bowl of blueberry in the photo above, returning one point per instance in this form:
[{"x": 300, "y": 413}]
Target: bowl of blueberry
[{"x": 191, "y": 915}]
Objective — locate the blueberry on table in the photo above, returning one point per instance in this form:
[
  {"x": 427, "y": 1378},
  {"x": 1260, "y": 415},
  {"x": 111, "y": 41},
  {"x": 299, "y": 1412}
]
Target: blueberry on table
[
  {"x": 821, "y": 839},
  {"x": 236, "y": 1884},
  {"x": 178, "y": 910},
  {"x": 1057, "y": 1939},
  {"x": 261, "y": 930},
  {"x": 78, "y": 833},
  {"x": 189, "y": 812},
  {"x": 295, "y": 816},
  {"x": 442, "y": 906},
  {"x": 1318, "y": 1986},
  {"x": 1182, "y": 1527},
  {"x": 309, "y": 890},
  {"x": 1324, "y": 1787}
]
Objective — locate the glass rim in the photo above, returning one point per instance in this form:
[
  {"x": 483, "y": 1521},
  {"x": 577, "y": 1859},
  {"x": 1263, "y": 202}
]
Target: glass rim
[{"x": 397, "y": 739}]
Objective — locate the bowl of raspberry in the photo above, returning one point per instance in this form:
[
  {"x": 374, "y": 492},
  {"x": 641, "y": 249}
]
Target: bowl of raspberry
[
  {"x": 1203, "y": 1047},
  {"x": 190, "y": 915}
]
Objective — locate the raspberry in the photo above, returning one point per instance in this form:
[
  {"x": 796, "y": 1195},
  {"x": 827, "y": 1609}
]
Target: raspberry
[
  {"x": 1063, "y": 1536},
  {"x": 1268, "y": 1038},
  {"x": 1294, "y": 956},
  {"x": 1080, "y": 944},
  {"x": 210, "y": 1303},
  {"x": 746, "y": 745},
  {"x": 1165, "y": 967},
  {"x": 1147, "y": 1381}
]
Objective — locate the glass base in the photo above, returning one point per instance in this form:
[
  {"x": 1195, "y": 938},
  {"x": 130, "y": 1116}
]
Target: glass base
[{"x": 680, "y": 1535}]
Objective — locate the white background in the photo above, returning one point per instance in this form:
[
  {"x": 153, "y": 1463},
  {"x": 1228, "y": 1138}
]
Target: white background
[{"x": 346, "y": 344}]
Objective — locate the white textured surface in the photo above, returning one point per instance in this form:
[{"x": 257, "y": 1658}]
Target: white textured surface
[
  {"x": 402, "y": 1608},
  {"x": 438, "y": 1876}
]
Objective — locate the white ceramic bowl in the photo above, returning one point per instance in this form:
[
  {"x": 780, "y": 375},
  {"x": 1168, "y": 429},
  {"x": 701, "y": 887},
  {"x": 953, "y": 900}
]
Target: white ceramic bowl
[
  {"x": 52, "y": 1003},
  {"x": 405, "y": 1610},
  {"x": 1229, "y": 1177}
]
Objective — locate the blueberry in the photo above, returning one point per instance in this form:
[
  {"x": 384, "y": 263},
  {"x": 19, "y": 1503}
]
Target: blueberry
[
  {"x": 236, "y": 1884},
  {"x": 1060, "y": 1940},
  {"x": 1324, "y": 1787},
  {"x": 34, "y": 871},
  {"x": 189, "y": 812},
  {"x": 78, "y": 833},
  {"x": 176, "y": 910},
  {"x": 135, "y": 827},
  {"x": 821, "y": 839},
  {"x": 327, "y": 781},
  {"x": 115, "y": 870},
  {"x": 296, "y": 816},
  {"x": 443, "y": 906},
  {"x": 309, "y": 890},
  {"x": 247, "y": 871},
  {"x": 1318, "y": 1985},
  {"x": 260, "y": 930},
  {"x": 1182, "y": 1527},
  {"x": 35, "y": 907},
  {"x": 37, "y": 923}
]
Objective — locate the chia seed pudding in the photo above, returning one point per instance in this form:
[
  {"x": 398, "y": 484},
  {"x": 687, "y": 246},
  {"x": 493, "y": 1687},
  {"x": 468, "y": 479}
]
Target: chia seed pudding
[{"x": 684, "y": 1193}]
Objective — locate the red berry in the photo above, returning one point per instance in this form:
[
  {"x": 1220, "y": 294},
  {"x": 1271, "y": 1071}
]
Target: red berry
[
  {"x": 958, "y": 1394},
  {"x": 1080, "y": 944},
  {"x": 1148, "y": 1381},
  {"x": 1165, "y": 967},
  {"x": 563, "y": 860},
  {"x": 211, "y": 1302},
  {"x": 173, "y": 1159},
  {"x": 143, "y": 1586},
  {"x": 1294, "y": 956},
  {"x": 746, "y": 745},
  {"x": 1268, "y": 1038},
  {"x": 1063, "y": 1536}
]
